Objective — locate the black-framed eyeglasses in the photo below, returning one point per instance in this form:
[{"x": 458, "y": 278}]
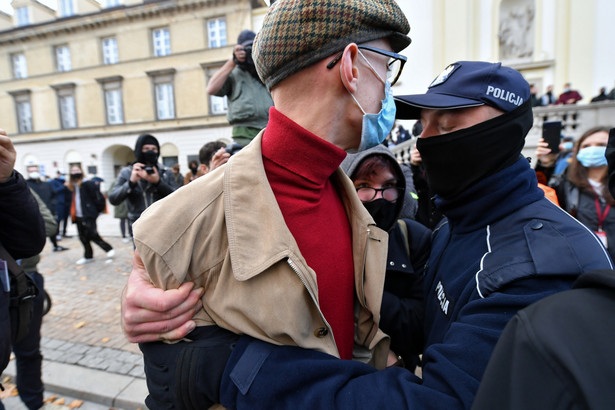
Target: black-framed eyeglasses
[
  {"x": 391, "y": 194},
  {"x": 395, "y": 65}
]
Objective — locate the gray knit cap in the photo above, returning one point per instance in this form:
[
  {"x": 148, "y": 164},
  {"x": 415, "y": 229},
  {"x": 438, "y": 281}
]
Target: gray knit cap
[{"x": 299, "y": 33}]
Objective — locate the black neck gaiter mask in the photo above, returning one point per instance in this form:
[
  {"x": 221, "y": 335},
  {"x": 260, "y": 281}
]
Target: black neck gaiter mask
[{"x": 453, "y": 162}]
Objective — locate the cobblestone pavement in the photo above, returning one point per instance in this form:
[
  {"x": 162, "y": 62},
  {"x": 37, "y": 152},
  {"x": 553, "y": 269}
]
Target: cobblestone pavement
[{"x": 83, "y": 326}]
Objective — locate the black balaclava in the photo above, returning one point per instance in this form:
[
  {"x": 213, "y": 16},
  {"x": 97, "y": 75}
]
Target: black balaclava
[
  {"x": 455, "y": 161},
  {"x": 148, "y": 157}
]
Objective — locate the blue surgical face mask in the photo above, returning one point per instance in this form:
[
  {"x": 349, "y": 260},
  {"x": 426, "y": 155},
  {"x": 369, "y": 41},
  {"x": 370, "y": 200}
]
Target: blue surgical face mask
[
  {"x": 592, "y": 157},
  {"x": 376, "y": 127},
  {"x": 567, "y": 146}
]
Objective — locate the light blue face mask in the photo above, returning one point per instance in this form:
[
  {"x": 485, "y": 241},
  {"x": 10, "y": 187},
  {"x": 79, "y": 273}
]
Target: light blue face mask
[
  {"x": 592, "y": 157},
  {"x": 567, "y": 146},
  {"x": 376, "y": 127}
]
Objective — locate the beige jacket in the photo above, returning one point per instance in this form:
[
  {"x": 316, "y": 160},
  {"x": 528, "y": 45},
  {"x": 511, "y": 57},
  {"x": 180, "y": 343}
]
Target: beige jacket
[{"x": 225, "y": 232}]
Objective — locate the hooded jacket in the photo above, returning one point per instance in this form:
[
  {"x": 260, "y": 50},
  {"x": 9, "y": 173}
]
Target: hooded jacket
[
  {"x": 402, "y": 308},
  {"x": 141, "y": 194}
]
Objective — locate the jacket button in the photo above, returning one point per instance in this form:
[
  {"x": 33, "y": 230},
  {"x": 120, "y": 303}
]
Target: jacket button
[
  {"x": 536, "y": 225},
  {"x": 392, "y": 263},
  {"x": 321, "y": 332}
]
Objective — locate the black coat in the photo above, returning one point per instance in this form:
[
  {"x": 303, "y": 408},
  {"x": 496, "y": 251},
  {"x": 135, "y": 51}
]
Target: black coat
[
  {"x": 22, "y": 233},
  {"x": 92, "y": 200},
  {"x": 557, "y": 353}
]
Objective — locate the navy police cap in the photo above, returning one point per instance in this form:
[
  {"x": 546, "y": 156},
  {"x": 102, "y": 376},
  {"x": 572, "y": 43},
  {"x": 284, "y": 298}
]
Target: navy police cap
[{"x": 468, "y": 84}]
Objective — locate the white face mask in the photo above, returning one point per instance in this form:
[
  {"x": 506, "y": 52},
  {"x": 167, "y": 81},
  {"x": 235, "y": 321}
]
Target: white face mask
[
  {"x": 34, "y": 175},
  {"x": 376, "y": 127}
]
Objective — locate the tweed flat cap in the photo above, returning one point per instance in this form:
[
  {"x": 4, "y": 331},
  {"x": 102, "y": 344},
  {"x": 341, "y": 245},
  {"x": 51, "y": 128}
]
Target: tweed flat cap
[{"x": 299, "y": 33}]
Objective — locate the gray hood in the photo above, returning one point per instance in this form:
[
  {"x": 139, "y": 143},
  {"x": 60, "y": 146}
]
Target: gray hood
[{"x": 409, "y": 205}]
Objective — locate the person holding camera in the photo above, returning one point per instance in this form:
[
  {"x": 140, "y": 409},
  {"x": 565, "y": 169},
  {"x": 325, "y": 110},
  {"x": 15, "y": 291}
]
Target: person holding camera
[
  {"x": 145, "y": 181},
  {"x": 248, "y": 98}
]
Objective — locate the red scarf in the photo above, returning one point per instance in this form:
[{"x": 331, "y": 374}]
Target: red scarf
[{"x": 299, "y": 166}]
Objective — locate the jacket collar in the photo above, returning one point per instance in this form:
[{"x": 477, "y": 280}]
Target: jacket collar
[{"x": 257, "y": 234}]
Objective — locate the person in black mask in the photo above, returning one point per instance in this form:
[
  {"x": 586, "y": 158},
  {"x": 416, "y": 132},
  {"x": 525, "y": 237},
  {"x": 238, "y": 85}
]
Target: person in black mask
[
  {"x": 145, "y": 181},
  {"x": 382, "y": 187},
  {"x": 248, "y": 98}
]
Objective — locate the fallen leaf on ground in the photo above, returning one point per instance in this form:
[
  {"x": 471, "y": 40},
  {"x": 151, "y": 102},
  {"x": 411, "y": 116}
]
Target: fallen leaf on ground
[
  {"x": 59, "y": 401},
  {"x": 90, "y": 292},
  {"x": 79, "y": 325},
  {"x": 74, "y": 404},
  {"x": 83, "y": 278},
  {"x": 105, "y": 339}
]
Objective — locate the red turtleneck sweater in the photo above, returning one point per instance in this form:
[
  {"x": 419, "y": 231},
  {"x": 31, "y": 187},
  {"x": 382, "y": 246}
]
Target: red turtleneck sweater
[{"x": 299, "y": 166}]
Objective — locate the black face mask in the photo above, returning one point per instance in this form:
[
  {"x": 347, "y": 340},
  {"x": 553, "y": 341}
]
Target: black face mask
[
  {"x": 384, "y": 212},
  {"x": 148, "y": 157},
  {"x": 193, "y": 170},
  {"x": 453, "y": 162},
  {"x": 75, "y": 177}
]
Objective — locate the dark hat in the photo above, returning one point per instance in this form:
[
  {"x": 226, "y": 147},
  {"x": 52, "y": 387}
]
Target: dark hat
[
  {"x": 299, "y": 33},
  {"x": 246, "y": 37},
  {"x": 468, "y": 84}
]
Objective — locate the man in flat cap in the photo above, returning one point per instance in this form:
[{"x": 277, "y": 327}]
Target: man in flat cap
[
  {"x": 280, "y": 242},
  {"x": 248, "y": 98}
]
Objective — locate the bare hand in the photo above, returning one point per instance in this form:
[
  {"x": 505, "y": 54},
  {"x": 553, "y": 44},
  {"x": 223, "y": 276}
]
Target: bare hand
[
  {"x": 151, "y": 314},
  {"x": 415, "y": 157},
  {"x": 219, "y": 158},
  {"x": 543, "y": 154},
  {"x": 7, "y": 156},
  {"x": 240, "y": 53}
]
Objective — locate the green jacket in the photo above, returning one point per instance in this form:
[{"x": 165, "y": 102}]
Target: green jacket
[{"x": 248, "y": 100}]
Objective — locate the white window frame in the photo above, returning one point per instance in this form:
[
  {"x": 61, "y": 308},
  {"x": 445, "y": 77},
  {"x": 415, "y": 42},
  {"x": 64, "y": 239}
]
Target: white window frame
[
  {"x": 23, "y": 111},
  {"x": 216, "y": 32},
  {"x": 22, "y": 16},
  {"x": 164, "y": 99},
  {"x": 67, "y": 106},
  {"x": 20, "y": 67},
  {"x": 114, "y": 105},
  {"x": 109, "y": 50},
  {"x": 67, "y": 8},
  {"x": 161, "y": 41},
  {"x": 63, "y": 62}
]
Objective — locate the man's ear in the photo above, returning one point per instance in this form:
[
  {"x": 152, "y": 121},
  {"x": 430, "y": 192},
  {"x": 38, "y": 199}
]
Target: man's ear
[
  {"x": 348, "y": 69},
  {"x": 203, "y": 168}
]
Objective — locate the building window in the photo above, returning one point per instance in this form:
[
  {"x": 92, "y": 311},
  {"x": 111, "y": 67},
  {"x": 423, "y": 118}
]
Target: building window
[
  {"x": 23, "y": 110},
  {"x": 112, "y": 3},
  {"x": 109, "y": 47},
  {"x": 63, "y": 58},
  {"x": 162, "y": 42},
  {"x": 112, "y": 90},
  {"x": 66, "y": 8},
  {"x": 20, "y": 69},
  {"x": 66, "y": 105},
  {"x": 23, "y": 16},
  {"x": 163, "y": 93},
  {"x": 216, "y": 32}
]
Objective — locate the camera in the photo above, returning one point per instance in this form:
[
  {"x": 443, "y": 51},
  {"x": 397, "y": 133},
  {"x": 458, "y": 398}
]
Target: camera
[
  {"x": 233, "y": 148},
  {"x": 149, "y": 169}
]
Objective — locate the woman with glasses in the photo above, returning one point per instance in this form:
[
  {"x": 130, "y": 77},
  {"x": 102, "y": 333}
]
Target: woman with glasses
[{"x": 381, "y": 186}]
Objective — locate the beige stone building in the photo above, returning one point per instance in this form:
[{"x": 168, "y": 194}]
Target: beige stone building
[{"x": 80, "y": 83}]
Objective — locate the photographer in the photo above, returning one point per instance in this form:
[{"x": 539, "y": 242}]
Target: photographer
[
  {"x": 145, "y": 181},
  {"x": 248, "y": 98}
]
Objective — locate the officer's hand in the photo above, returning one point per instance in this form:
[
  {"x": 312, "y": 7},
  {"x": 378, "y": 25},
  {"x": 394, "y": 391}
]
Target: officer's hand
[{"x": 150, "y": 314}]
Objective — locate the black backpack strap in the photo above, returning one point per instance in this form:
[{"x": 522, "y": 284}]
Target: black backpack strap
[{"x": 23, "y": 292}]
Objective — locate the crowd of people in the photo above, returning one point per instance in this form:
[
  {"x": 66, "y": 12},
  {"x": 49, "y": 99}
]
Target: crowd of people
[
  {"x": 331, "y": 249},
  {"x": 567, "y": 96}
]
